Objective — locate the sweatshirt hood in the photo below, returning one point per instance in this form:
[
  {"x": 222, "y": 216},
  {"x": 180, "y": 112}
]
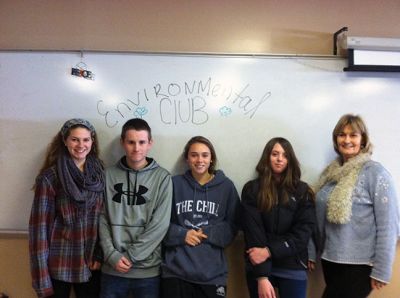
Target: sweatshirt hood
[
  {"x": 151, "y": 164},
  {"x": 218, "y": 179},
  {"x": 133, "y": 191}
]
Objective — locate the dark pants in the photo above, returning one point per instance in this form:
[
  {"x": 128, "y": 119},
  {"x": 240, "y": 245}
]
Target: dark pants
[
  {"x": 287, "y": 288},
  {"x": 178, "y": 288},
  {"x": 90, "y": 289},
  {"x": 121, "y": 287},
  {"x": 346, "y": 281}
]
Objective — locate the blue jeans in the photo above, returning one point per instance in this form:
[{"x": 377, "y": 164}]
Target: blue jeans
[
  {"x": 120, "y": 287},
  {"x": 287, "y": 288}
]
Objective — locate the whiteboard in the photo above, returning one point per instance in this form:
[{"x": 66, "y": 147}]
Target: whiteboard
[{"x": 239, "y": 103}]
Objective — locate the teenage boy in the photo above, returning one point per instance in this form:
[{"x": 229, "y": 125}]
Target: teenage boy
[{"x": 135, "y": 218}]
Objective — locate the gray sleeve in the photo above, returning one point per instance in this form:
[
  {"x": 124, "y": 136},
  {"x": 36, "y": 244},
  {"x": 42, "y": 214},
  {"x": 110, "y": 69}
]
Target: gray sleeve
[
  {"x": 385, "y": 206},
  {"x": 145, "y": 244},
  {"x": 111, "y": 254}
]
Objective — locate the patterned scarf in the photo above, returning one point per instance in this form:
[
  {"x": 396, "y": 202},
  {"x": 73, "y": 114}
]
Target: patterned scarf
[
  {"x": 340, "y": 201},
  {"x": 81, "y": 187}
]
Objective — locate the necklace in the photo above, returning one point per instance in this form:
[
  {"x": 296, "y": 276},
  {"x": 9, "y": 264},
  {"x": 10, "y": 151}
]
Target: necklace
[{"x": 205, "y": 180}]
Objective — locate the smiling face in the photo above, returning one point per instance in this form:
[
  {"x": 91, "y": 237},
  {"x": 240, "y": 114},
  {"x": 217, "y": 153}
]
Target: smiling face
[
  {"x": 199, "y": 159},
  {"x": 348, "y": 142},
  {"x": 278, "y": 160},
  {"x": 79, "y": 143},
  {"x": 137, "y": 145}
]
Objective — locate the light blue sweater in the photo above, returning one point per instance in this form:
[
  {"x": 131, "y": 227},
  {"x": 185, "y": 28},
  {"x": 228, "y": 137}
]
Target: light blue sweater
[{"x": 370, "y": 236}]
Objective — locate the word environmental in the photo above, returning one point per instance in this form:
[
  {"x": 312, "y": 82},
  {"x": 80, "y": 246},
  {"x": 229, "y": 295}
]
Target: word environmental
[{"x": 185, "y": 103}]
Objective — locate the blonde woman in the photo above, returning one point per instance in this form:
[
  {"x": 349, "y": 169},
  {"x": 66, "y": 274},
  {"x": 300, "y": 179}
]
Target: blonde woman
[{"x": 357, "y": 215}]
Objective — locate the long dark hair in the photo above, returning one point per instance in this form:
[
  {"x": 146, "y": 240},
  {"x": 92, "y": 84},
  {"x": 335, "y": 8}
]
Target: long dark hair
[{"x": 268, "y": 195}]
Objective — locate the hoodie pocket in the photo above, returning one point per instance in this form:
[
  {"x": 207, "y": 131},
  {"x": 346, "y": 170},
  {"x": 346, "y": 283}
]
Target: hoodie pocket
[
  {"x": 200, "y": 263},
  {"x": 154, "y": 259}
]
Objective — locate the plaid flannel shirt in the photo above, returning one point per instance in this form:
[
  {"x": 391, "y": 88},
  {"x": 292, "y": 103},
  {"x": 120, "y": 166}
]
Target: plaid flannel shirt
[{"x": 62, "y": 236}]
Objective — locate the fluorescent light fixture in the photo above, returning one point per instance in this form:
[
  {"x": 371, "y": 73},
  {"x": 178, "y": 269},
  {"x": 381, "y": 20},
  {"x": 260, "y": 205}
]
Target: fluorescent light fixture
[{"x": 372, "y": 54}]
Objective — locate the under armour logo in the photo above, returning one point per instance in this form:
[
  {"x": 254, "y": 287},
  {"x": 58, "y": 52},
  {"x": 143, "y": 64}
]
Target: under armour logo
[{"x": 134, "y": 198}]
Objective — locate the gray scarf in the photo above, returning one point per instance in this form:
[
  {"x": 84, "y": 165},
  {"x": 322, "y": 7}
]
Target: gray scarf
[{"x": 82, "y": 188}]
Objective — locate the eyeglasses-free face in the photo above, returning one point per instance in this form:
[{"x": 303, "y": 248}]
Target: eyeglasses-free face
[{"x": 349, "y": 142}]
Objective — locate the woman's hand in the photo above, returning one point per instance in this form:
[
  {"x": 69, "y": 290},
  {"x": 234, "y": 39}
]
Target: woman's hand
[
  {"x": 258, "y": 255},
  {"x": 265, "y": 289},
  {"x": 376, "y": 284},
  {"x": 194, "y": 237}
]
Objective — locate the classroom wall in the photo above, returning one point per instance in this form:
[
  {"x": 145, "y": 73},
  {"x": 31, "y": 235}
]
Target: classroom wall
[{"x": 226, "y": 26}]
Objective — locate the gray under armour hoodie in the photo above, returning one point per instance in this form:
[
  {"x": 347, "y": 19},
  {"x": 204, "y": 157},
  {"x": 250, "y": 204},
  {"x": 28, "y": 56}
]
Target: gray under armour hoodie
[{"x": 135, "y": 218}]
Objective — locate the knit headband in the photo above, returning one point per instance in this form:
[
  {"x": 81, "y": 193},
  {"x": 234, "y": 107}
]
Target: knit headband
[{"x": 76, "y": 121}]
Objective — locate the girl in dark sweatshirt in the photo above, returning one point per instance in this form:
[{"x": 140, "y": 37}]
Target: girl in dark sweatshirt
[{"x": 204, "y": 209}]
